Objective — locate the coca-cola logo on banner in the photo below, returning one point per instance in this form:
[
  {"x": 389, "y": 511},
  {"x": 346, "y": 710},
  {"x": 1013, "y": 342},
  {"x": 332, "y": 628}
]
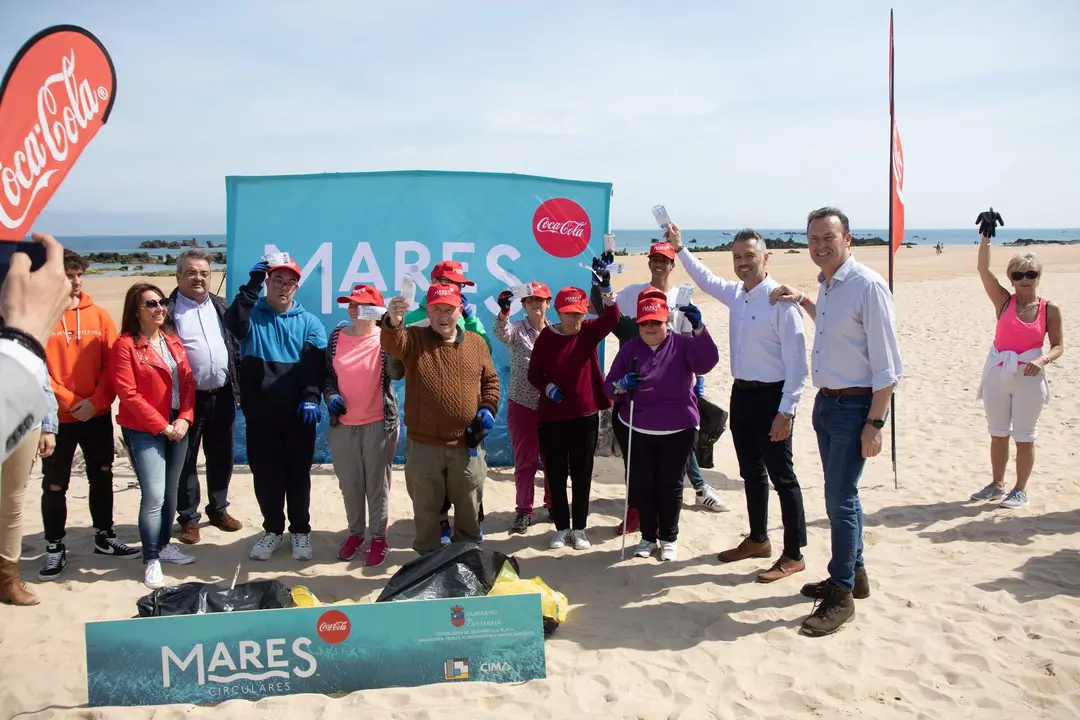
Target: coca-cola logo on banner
[
  {"x": 561, "y": 227},
  {"x": 55, "y": 96},
  {"x": 333, "y": 627}
]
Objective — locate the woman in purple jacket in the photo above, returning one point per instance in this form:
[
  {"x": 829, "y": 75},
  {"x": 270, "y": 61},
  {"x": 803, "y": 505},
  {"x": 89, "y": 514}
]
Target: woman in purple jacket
[{"x": 665, "y": 414}]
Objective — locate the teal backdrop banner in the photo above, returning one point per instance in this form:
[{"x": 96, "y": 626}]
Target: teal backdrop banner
[
  {"x": 351, "y": 228},
  {"x": 331, "y": 649}
]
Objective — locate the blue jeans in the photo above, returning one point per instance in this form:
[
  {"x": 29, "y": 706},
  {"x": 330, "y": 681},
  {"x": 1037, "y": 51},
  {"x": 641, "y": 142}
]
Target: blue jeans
[
  {"x": 158, "y": 463},
  {"x": 839, "y": 423},
  {"x": 693, "y": 471}
]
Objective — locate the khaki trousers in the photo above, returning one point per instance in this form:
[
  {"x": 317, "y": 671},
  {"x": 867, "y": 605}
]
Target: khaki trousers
[
  {"x": 14, "y": 474},
  {"x": 433, "y": 474}
]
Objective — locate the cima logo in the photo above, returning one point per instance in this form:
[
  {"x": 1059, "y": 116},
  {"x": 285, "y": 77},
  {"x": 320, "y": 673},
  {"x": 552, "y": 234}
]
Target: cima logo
[
  {"x": 457, "y": 616},
  {"x": 456, "y": 669},
  {"x": 248, "y": 660},
  {"x": 493, "y": 667}
]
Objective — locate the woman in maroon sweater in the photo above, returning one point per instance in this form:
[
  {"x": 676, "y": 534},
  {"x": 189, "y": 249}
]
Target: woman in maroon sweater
[{"x": 566, "y": 371}]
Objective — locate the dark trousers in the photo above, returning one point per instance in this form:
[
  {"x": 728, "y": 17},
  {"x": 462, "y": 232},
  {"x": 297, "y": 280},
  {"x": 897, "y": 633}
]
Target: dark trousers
[
  {"x": 753, "y": 410},
  {"x": 656, "y": 481},
  {"x": 279, "y": 453},
  {"x": 215, "y": 414},
  {"x": 569, "y": 447},
  {"x": 95, "y": 437}
]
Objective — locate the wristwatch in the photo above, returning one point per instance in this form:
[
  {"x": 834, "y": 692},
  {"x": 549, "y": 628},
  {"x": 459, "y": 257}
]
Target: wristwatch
[
  {"x": 788, "y": 415},
  {"x": 878, "y": 423}
]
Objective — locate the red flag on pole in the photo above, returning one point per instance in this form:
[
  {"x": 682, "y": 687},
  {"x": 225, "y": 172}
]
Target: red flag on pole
[{"x": 896, "y": 166}]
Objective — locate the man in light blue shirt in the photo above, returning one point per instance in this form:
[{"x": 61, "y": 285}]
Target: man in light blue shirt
[
  {"x": 855, "y": 365},
  {"x": 768, "y": 365},
  {"x": 197, "y": 314}
]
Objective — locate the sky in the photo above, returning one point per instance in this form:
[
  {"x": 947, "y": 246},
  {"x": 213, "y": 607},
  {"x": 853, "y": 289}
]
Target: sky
[{"x": 731, "y": 114}]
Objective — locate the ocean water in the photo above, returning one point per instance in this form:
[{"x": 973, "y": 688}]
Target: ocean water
[
  {"x": 84, "y": 244},
  {"x": 632, "y": 241}
]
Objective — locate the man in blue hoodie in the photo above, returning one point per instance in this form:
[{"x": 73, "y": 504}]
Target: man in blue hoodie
[{"x": 282, "y": 349}]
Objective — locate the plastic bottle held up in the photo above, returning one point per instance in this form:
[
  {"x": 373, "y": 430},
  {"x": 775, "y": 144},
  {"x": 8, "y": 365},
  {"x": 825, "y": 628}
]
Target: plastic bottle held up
[
  {"x": 408, "y": 288},
  {"x": 662, "y": 219}
]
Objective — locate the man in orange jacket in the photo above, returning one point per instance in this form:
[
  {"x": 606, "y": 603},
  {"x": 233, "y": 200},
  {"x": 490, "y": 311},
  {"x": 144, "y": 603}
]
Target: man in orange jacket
[{"x": 77, "y": 356}]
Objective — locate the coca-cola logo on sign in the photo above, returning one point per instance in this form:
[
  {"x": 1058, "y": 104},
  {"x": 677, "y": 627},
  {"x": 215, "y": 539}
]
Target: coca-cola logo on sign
[
  {"x": 55, "y": 96},
  {"x": 561, "y": 227},
  {"x": 333, "y": 626}
]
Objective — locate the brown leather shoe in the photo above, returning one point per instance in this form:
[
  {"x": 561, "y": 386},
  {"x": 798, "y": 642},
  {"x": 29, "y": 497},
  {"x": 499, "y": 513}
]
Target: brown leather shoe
[
  {"x": 227, "y": 523},
  {"x": 781, "y": 569},
  {"x": 746, "y": 549},
  {"x": 189, "y": 534},
  {"x": 11, "y": 588}
]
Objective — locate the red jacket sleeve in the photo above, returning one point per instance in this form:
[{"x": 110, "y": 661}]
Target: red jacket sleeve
[
  {"x": 122, "y": 374},
  {"x": 187, "y": 385}
]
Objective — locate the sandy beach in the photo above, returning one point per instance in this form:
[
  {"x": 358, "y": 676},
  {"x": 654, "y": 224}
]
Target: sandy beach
[{"x": 973, "y": 609}]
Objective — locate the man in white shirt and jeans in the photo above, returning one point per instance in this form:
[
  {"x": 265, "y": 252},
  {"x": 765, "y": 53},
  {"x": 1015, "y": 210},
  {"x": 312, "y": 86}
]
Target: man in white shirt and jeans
[
  {"x": 768, "y": 367},
  {"x": 855, "y": 366}
]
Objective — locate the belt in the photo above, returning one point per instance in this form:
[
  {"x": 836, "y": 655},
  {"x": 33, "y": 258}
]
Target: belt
[
  {"x": 215, "y": 391},
  {"x": 841, "y": 392},
  {"x": 748, "y": 384}
]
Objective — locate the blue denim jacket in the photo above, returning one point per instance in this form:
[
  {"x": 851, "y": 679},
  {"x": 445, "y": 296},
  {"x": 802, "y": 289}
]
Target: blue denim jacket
[{"x": 50, "y": 423}]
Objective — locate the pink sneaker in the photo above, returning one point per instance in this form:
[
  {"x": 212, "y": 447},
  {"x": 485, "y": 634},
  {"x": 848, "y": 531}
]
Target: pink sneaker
[
  {"x": 350, "y": 547},
  {"x": 377, "y": 553}
]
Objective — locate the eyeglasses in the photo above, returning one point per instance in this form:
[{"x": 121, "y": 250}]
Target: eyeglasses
[
  {"x": 1028, "y": 274},
  {"x": 154, "y": 304},
  {"x": 284, "y": 284}
]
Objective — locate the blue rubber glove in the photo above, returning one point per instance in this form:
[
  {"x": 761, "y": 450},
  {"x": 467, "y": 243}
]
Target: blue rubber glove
[
  {"x": 335, "y": 405},
  {"x": 487, "y": 420},
  {"x": 467, "y": 308},
  {"x": 699, "y": 387},
  {"x": 692, "y": 314},
  {"x": 309, "y": 412},
  {"x": 257, "y": 273},
  {"x": 553, "y": 392},
  {"x": 628, "y": 382}
]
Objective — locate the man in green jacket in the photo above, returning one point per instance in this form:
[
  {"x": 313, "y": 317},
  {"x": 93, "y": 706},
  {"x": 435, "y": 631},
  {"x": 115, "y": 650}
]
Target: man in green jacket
[{"x": 449, "y": 271}]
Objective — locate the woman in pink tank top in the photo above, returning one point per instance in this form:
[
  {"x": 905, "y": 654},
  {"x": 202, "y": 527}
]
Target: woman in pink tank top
[{"x": 1014, "y": 387}]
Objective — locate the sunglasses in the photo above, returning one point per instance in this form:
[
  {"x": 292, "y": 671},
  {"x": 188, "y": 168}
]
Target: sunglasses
[
  {"x": 154, "y": 304},
  {"x": 1028, "y": 274}
]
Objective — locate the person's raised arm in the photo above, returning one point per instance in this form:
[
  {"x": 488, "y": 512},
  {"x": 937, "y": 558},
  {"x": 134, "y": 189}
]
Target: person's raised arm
[
  {"x": 394, "y": 337},
  {"x": 238, "y": 314},
  {"x": 712, "y": 284},
  {"x": 998, "y": 295},
  {"x": 503, "y": 329}
]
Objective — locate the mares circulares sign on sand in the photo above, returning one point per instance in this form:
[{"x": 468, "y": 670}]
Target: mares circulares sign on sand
[
  {"x": 55, "y": 96},
  {"x": 343, "y": 648},
  {"x": 351, "y": 228}
]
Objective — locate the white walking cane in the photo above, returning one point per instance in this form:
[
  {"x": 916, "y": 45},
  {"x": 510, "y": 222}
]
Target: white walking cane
[{"x": 626, "y": 496}]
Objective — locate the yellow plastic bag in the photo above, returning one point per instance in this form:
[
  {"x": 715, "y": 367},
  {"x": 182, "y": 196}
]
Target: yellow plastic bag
[
  {"x": 553, "y": 604},
  {"x": 304, "y": 598}
]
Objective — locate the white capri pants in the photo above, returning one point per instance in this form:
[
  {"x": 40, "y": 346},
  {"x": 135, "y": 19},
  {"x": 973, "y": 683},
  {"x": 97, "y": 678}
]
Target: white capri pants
[{"x": 1013, "y": 402}]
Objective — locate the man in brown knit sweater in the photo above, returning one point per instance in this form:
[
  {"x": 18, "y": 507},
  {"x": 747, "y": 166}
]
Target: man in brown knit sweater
[{"x": 449, "y": 384}]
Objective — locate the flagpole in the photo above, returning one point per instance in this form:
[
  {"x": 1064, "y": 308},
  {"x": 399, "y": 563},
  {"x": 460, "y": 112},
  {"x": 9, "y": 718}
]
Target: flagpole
[{"x": 892, "y": 248}]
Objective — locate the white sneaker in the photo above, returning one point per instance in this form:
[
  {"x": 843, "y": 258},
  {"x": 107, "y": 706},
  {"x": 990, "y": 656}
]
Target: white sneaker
[
  {"x": 708, "y": 497},
  {"x": 268, "y": 543},
  {"x": 171, "y": 554},
  {"x": 645, "y": 549},
  {"x": 153, "y": 578},
  {"x": 301, "y": 546},
  {"x": 1015, "y": 500},
  {"x": 559, "y": 541},
  {"x": 580, "y": 541},
  {"x": 669, "y": 551}
]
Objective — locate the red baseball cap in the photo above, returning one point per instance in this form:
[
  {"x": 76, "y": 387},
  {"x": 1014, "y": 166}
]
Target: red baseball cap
[
  {"x": 363, "y": 295},
  {"x": 572, "y": 299},
  {"x": 662, "y": 248},
  {"x": 444, "y": 294},
  {"x": 282, "y": 261},
  {"x": 539, "y": 290},
  {"x": 653, "y": 292},
  {"x": 450, "y": 270},
  {"x": 650, "y": 307}
]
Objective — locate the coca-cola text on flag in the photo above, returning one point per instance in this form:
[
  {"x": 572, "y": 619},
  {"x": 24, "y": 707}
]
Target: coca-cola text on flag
[
  {"x": 561, "y": 227},
  {"x": 55, "y": 96}
]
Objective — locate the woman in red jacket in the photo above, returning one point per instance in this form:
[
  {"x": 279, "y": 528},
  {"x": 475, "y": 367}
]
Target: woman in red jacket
[{"x": 156, "y": 390}]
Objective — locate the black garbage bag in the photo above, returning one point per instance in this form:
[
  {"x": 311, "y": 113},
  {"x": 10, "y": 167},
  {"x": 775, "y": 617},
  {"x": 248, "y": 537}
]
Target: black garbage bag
[
  {"x": 713, "y": 423},
  {"x": 197, "y": 598},
  {"x": 456, "y": 570}
]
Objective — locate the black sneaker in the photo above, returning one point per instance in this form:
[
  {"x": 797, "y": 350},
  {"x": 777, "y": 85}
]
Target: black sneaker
[
  {"x": 521, "y": 524},
  {"x": 861, "y": 591},
  {"x": 107, "y": 544},
  {"x": 55, "y": 562}
]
